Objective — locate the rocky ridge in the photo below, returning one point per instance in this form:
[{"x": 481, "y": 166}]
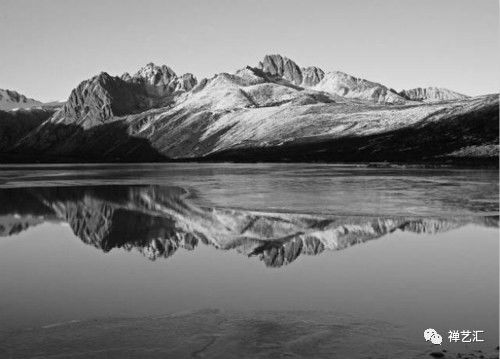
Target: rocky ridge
[
  {"x": 161, "y": 80},
  {"x": 104, "y": 97},
  {"x": 275, "y": 111},
  {"x": 334, "y": 82}
]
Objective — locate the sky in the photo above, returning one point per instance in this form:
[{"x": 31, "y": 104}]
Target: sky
[{"x": 47, "y": 47}]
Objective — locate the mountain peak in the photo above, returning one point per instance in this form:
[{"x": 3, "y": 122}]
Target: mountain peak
[
  {"x": 312, "y": 75},
  {"x": 103, "y": 96},
  {"x": 103, "y": 77},
  {"x": 335, "y": 82},
  {"x": 282, "y": 66},
  {"x": 161, "y": 81},
  {"x": 155, "y": 75},
  {"x": 97, "y": 99}
]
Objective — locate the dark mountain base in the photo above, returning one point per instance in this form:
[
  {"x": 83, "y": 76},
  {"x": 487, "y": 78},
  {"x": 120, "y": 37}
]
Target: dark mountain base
[
  {"x": 16, "y": 124},
  {"x": 338, "y": 152},
  {"x": 251, "y": 157},
  {"x": 30, "y": 158},
  {"x": 464, "y": 140},
  {"x": 61, "y": 143}
]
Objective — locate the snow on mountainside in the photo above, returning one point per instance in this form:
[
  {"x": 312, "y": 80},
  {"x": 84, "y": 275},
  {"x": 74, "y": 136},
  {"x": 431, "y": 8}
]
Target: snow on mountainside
[{"x": 277, "y": 110}]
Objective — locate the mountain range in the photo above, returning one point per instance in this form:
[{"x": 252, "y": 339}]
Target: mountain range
[{"x": 274, "y": 111}]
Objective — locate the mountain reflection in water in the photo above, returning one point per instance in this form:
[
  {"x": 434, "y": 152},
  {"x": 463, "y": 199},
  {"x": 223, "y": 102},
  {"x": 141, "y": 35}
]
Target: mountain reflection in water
[{"x": 158, "y": 220}]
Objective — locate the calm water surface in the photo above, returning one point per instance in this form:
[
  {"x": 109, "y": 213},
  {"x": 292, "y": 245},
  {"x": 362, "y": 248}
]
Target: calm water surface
[{"x": 414, "y": 247}]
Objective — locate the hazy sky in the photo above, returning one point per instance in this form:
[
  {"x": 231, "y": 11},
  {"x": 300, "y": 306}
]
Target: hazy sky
[{"x": 49, "y": 46}]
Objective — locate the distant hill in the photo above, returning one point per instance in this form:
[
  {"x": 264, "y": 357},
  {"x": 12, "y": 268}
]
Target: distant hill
[
  {"x": 432, "y": 94},
  {"x": 11, "y": 99}
]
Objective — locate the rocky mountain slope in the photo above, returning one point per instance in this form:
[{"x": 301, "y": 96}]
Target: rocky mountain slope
[
  {"x": 335, "y": 82},
  {"x": 158, "y": 221},
  {"x": 10, "y": 100},
  {"x": 275, "y": 111},
  {"x": 432, "y": 94}
]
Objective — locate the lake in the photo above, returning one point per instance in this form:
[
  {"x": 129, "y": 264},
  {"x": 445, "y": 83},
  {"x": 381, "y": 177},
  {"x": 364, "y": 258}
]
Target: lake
[{"x": 382, "y": 253}]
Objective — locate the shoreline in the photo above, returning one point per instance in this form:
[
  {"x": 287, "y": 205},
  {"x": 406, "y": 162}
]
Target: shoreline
[
  {"x": 469, "y": 163},
  {"x": 213, "y": 333}
]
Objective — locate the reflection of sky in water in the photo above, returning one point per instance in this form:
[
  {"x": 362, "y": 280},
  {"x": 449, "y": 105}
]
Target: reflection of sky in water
[{"x": 445, "y": 281}]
